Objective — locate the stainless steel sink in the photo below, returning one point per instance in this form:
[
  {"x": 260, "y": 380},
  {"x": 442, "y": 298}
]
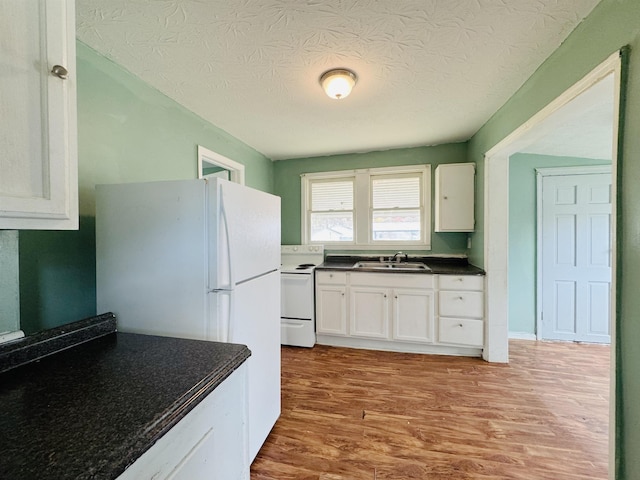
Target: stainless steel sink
[{"x": 392, "y": 265}]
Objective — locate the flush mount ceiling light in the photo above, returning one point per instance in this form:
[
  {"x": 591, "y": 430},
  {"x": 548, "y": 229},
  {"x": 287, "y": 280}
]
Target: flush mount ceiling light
[{"x": 337, "y": 83}]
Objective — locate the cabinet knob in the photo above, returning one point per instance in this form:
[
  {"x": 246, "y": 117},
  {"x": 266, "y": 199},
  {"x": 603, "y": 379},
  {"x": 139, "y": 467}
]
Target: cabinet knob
[{"x": 60, "y": 72}]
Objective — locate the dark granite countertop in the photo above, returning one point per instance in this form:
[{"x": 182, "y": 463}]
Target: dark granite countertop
[
  {"x": 89, "y": 411},
  {"x": 437, "y": 265}
]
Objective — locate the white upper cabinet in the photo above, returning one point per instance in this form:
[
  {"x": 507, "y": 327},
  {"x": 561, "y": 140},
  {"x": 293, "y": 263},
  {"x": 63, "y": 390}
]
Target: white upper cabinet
[
  {"x": 38, "y": 131},
  {"x": 454, "y": 193}
]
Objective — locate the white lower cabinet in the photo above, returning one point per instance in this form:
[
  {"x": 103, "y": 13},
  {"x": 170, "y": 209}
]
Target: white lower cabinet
[
  {"x": 461, "y": 310},
  {"x": 210, "y": 442},
  {"x": 413, "y": 313},
  {"x": 401, "y": 312},
  {"x": 461, "y": 304},
  {"x": 394, "y": 307},
  {"x": 331, "y": 303},
  {"x": 461, "y": 331},
  {"x": 369, "y": 312}
]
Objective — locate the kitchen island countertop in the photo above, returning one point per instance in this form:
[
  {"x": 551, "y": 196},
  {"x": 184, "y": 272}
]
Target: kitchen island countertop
[{"x": 90, "y": 410}]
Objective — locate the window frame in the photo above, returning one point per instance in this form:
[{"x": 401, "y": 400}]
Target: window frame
[
  {"x": 310, "y": 211},
  {"x": 420, "y": 206},
  {"x": 363, "y": 206}
]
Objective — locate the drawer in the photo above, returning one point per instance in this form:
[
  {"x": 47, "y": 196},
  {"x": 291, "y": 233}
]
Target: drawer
[
  {"x": 392, "y": 280},
  {"x": 461, "y": 304},
  {"x": 461, "y": 282},
  {"x": 331, "y": 278},
  {"x": 461, "y": 331}
]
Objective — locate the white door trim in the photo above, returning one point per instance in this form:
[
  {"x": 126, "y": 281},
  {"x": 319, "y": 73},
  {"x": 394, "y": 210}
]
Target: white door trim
[
  {"x": 209, "y": 158},
  {"x": 540, "y": 174},
  {"x": 496, "y": 228}
]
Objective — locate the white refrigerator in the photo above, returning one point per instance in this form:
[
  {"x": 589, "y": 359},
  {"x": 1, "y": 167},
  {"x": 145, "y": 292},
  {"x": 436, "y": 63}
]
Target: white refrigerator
[{"x": 197, "y": 259}]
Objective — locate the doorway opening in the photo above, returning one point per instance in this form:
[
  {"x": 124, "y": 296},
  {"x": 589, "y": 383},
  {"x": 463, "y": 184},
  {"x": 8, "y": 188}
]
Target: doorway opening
[
  {"x": 212, "y": 164},
  {"x": 496, "y": 237}
]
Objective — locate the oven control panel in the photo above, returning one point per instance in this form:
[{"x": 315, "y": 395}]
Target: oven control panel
[
  {"x": 302, "y": 249},
  {"x": 301, "y": 258}
]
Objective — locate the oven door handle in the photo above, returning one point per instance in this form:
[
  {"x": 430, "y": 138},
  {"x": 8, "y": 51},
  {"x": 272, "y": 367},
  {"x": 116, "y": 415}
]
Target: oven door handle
[{"x": 301, "y": 277}]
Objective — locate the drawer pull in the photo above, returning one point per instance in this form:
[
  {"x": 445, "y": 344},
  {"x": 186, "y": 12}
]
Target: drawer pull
[{"x": 460, "y": 325}]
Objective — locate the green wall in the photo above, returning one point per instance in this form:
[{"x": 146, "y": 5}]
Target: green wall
[
  {"x": 127, "y": 132},
  {"x": 130, "y": 132},
  {"x": 612, "y": 25},
  {"x": 9, "y": 282},
  {"x": 57, "y": 276},
  {"x": 288, "y": 184},
  {"x": 522, "y": 234}
]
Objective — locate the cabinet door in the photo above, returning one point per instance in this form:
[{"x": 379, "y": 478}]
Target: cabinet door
[
  {"x": 211, "y": 441},
  {"x": 413, "y": 315},
  {"x": 331, "y": 310},
  {"x": 454, "y": 210},
  {"x": 38, "y": 139},
  {"x": 369, "y": 312}
]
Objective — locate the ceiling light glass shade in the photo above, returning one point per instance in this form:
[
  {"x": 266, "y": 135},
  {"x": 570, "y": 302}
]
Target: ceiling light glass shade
[{"x": 338, "y": 83}]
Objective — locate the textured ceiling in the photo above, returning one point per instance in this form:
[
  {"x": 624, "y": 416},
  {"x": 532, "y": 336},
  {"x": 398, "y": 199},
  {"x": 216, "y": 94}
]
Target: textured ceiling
[
  {"x": 429, "y": 71},
  {"x": 582, "y": 128}
]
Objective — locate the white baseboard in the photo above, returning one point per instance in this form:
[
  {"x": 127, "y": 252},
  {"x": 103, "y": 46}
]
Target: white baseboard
[{"x": 522, "y": 336}]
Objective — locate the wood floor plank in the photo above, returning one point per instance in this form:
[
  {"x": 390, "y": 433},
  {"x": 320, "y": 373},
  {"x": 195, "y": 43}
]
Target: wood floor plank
[{"x": 371, "y": 415}]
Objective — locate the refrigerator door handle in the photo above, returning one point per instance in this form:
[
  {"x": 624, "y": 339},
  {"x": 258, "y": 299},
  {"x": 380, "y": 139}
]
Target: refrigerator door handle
[
  {"x": 220, "y": 325},
  {"x": 224, "y": 248}
]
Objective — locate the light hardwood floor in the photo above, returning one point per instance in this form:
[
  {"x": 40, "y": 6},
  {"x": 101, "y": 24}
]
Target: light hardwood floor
[{"x": 369, "y": 415}]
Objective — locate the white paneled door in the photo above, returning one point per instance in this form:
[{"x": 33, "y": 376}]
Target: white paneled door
[{"x": 576, "y": 259}]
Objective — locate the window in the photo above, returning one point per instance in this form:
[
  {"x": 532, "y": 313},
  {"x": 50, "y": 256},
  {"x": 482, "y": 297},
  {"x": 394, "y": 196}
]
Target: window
[
  {"x": 366, "y": 208},
  {"x": 396, "y": 209},
  {"x": 331, "y": 213}
]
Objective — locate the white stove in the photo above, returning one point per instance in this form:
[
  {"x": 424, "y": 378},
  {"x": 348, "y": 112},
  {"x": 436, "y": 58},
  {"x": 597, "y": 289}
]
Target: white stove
[
  {"x": 300, "y": 258},
  {"x": 297, "y": 317}
]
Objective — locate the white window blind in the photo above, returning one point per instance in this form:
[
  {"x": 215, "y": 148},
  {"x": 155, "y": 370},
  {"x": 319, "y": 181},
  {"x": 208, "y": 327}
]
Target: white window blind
[
  {"x": 390, "y": 192},
  {"x": 331, "y": 215},
  {"x": 396, "y": 214},
  {"x": 327, "y": 196}
]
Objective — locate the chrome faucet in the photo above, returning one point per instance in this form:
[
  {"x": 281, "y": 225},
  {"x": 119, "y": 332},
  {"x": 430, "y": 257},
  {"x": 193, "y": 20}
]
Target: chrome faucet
[{"x": 396, "y": 257}]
